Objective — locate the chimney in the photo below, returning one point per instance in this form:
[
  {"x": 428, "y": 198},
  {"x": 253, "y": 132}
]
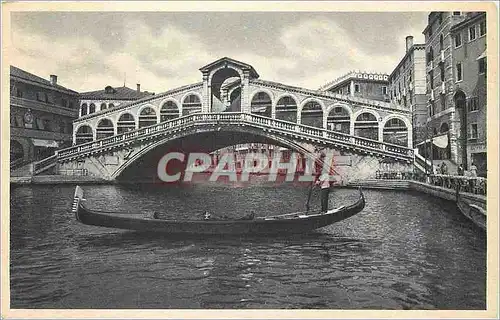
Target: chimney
[
  {"x": 53, "y": 79},
  {"x": 138, "y": 87},
  {"x": 409, "y": 42}
]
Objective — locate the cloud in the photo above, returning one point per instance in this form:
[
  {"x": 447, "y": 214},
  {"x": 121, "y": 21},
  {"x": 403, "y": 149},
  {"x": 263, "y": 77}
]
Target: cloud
[{"x": 304, "y": 52}]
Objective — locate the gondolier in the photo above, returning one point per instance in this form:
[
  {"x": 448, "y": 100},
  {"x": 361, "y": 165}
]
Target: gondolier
[{"x": 324, "y": 183}]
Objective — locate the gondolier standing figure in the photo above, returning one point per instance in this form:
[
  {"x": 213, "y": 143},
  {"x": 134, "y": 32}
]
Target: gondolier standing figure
[{"x": 324, "y": 183}]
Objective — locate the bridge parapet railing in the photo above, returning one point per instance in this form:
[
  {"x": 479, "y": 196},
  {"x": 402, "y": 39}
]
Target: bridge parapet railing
[
  {"x": 218, "y": 118},
  {"x": 44, "y": 163}
]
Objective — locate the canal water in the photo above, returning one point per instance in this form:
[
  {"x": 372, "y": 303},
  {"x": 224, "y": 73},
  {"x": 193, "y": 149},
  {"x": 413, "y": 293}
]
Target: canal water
[{"x": 405, "y": 250}]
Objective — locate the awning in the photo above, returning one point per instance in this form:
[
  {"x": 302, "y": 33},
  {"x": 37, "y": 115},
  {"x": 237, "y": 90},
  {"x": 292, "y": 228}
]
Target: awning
[
  {"x": 45, "y": 143},
  {"x": 439, "y": 141},
  {"x": 483, "y": 55}
]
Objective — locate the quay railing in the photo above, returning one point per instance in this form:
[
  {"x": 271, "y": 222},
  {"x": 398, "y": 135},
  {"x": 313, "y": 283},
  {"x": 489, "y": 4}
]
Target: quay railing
[
  {"x": 247, "y": 119},
  {"x": 476, "y": 185}
]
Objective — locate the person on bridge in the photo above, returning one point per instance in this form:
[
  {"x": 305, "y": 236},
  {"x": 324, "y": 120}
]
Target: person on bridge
[{"x": 324, "y": 183}]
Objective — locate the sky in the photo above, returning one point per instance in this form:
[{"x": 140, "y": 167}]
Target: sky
[{"x": 164, "y": 50}]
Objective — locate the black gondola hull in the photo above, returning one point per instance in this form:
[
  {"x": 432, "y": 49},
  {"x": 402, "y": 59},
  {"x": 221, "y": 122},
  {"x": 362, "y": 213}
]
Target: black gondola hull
[{"x": 276, "y": 225}]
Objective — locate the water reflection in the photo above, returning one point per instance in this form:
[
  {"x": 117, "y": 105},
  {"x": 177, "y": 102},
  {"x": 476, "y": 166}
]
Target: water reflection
[{"x": 404, "y": 251}]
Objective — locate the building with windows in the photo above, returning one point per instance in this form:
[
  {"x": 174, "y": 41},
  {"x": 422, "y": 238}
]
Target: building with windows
[
  {"x": 443, "y": 123},
  {"x": 361, "y": 84},
  {"x": 110, "y": 97},
  {"x": 469, "y": 89},
  {"x": 41, "y": 116},
  {"x": 407, "y": 87}
]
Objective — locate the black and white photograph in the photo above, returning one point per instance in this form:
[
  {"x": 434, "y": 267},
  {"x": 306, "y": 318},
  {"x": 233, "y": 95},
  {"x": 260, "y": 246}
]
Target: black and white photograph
[{"x": 250, "y": 157}]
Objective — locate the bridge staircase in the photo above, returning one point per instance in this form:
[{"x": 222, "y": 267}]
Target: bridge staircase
[
  {"x": 425, "y": 165},
  {"x": 317, "y": 136}
]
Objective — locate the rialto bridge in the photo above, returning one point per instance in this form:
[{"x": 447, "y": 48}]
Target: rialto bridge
[{"x": 232, "y": 106}]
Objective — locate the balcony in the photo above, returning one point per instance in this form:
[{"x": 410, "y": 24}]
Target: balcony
[
  {"x": 441, "y": 55},
  {"x": 43, "y": 106},
  {"x": 430, "y": 66}
]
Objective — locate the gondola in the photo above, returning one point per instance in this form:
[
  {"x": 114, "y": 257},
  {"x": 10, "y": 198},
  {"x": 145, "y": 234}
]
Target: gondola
[
  {"x": 298, "y": 222},
  {"x": 474, "y": 213}
]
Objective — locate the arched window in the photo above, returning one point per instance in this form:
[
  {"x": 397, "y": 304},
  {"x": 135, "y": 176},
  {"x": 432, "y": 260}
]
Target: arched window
[
  {"x": 103, "y": 106},
  {"x": 191, "y": 104},
  {"x": 286, "y": 109},
  {"x": 84, "y": 134},
  {"x": 339, "y": 120},
  {"x": 92, "y": 108},
  {"x": 169, "y": 111},
  {"x": 261, "y": 104},
  {"x": 104, "y": 129},
  {"x": 147, "y": 117},
  {"x": 83, "y": 110},
  {"x": 312, "y": 114},
  {"x": 111, "y": 105},
  {"x": 366, "y": 126},
  {"x": 396, "y": 132},
  {"x": 125, "y": 123}
]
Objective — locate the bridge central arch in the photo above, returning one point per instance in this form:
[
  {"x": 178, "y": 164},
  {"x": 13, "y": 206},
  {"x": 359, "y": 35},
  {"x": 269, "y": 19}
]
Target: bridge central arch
[{"x": 145, "y": 162}]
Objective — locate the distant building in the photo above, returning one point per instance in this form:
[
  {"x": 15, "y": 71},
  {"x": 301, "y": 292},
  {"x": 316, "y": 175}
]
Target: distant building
[
  {"x": 443, "y": 123},
  {"x": 361, "y": 84},
  {"x": 109, "y": 97},
  {"x": 407, "y": 87},
  {"x": 41, "y": 116},
  {"x": 469, "y": 90}
]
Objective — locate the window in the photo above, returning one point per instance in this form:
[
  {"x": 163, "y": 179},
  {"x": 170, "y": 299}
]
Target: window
[
  {"x": 441, "y": 42},
  {"x": 482, "y": 28},
  {"x": 431, "y": 109},
  {"x": 431, "y": 79},
  {"x": 440, "y": 18},
  {"x": 356, "y": 88},
  {"x": 430, "y": 31},
  {"x": 472, "y": 33},
  {"x": 456, "y": 13},
  {"x": 443, "y": 102},
  {"x": 482, "y": 65},
  {"x": 458, "y": 40},
  {"x": 19, "y": 93},
  {"x": 39, "y": 96},
  {"x": 441, "y": 70},
  {"x": 64, "y": 103},
  {"x": 384, "y": 90},
  {"x": 473, "y": 131},
  {"x": 430, "y": 56},
  {"x": 472, "y": 104},
  {"x": 459, "y": 72}
]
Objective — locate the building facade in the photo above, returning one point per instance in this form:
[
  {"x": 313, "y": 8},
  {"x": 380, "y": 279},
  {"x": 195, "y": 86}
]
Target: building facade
[
  {"x": 109, "y": 97},
  {"x": 41, "y": 116},
  {"x": 407, "y": 87},
  {"x": 470, "y": 88},
  {"x": 366, "y": 85},
  {"x": 443, "y": 123}
]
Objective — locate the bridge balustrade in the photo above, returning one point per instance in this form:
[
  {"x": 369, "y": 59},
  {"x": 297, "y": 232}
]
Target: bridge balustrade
[{"x": 234, "y": 118}]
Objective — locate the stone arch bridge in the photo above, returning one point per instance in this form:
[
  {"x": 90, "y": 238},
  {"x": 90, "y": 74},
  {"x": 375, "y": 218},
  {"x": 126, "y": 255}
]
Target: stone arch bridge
[{"x": 232, "y": 106}]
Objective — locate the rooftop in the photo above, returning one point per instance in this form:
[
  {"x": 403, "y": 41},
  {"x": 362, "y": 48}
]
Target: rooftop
[
  {"x": 115, "y": 93},
  {"x": 362, "y": 75},
  {"x": 22, "y": 75}
]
